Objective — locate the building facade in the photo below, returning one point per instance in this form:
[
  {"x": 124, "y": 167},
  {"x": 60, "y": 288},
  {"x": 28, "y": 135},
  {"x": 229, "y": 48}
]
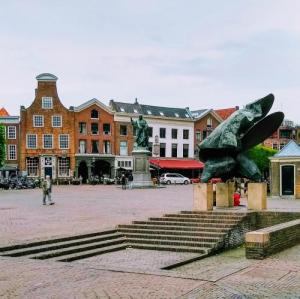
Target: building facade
[
  {"x": 47, "y": 144},
  {"x": 12, "y": 137},
  {"x": 94, "y": 140}
]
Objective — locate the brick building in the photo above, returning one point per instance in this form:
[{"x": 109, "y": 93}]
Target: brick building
[
  {"x": 47, "y": 133},
  {"x": 12, "y": 137},
  {"x": 205, "y": 121},
  {"x": 94, "y": 140}
]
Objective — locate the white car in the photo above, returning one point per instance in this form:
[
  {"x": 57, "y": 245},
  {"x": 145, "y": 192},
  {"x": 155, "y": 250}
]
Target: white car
[{"x": 174, "y": 178}]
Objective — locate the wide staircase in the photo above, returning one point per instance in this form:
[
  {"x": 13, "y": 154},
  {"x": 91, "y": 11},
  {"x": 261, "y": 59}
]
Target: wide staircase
[
  {"x": 198, "y": 232},
  {"x": 202, "y": 233}
]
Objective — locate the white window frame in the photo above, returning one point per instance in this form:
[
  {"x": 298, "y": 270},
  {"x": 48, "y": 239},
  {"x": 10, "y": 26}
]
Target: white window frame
[
  {"x": 52, "y": 121},
  {"x": 68, "y": 140},
  {"x": 44, "y": 147},
  {"x": 44, "y": 101},
  {"x": 35, "y": 167},
  {"x": 14, "y": 132},
  {"x": 65, "y": 165},
  {"x": 9, "y": 147},
  {"x": 34, "y": 121},
  {"x": 121, "y": 152},
  {"x": 36, "y": 141}
]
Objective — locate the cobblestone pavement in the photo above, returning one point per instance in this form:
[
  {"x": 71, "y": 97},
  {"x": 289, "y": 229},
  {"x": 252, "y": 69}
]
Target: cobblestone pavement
[{"x": 129, "y": 273}]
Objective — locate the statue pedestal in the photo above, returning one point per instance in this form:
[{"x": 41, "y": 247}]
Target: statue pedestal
[
  {"x": 203, "y": 197},
  {"x": 257, "y": 196},
  {"x": 224, "y": 195},
  {"x": 141, "y": 168}
]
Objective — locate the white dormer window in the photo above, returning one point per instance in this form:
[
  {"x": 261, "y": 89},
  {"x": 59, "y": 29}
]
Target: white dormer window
[
  {"x": 135, "y": 111},
  {"x": 161, "y": 113},
  {"x": 176, "y": 114},
  {"x": 47, "y": 102},
  {"x": 149, "y": 112},
  {"x": 122, "y": 109},
  {"x": 187, "y": 116}
]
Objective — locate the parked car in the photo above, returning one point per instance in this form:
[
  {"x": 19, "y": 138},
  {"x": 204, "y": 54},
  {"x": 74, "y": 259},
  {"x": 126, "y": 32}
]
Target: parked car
[{"x": 173, "y": 178}]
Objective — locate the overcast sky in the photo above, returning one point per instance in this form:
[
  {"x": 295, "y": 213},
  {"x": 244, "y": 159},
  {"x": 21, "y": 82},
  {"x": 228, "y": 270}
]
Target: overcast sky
[{"x": 200, "y": 54}]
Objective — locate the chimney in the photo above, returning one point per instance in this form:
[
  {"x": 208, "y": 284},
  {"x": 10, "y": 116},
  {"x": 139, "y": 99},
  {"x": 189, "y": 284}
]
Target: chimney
[{"x": 136, "y": 101}]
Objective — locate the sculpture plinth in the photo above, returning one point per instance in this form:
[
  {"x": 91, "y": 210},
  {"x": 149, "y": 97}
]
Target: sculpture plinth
[
  {"x": 257, "y": 196},
  {"x": 141, "y": 168},
  {"x": 224, "y": 195},
  {"x": 203, "y": 197}
]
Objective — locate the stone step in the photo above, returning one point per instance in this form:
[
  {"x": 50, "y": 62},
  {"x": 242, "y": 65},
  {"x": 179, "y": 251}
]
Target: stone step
[
  {"x": 203, "y": 251},
  {"x": 217, "y": 213},
  {"x": 198, "y": 220},
  {"x": 88, "y": 253},
  {"x": 200, "y": 216},
  {"x": 56, "y": 240},
  {"x": 60, "y": 245},
  {"x": 190, "y": 228},
  {"x": 170, "y": 242},
  {"x": 125, "y": 231},
  {"x": 171, "y": 237},
  {"x": 179, "y": 224},
  {"x": 76, "y": 249}
]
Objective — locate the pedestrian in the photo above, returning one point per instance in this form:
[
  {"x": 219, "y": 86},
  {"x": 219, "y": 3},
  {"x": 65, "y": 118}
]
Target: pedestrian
[
  {"x": 130, "y": 180},
  {"x": 123, "y": 181},
  {"x": 47, "y": 189}
]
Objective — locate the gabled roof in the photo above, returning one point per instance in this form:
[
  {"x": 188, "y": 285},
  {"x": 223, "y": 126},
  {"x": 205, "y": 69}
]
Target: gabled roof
[
  {"x": 291, "y": 149},
  {"x": 93, "y": 102},
  {"x": 198, "y": 114},
  {"x": 3, "y": 112},
  {"x": 150, "y": 110},
  {"x": 225, "y": 113}
]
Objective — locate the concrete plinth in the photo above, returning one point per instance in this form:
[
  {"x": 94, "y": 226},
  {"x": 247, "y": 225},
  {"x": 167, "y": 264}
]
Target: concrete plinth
[
  {"x": 203, "y": 197},
  {"x": 141, "y": 168},
  {"x": 257, "y": 196},
  {"x": 224, "y": 195}
]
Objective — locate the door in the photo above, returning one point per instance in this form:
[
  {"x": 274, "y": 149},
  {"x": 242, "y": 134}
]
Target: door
[
  {"x": 48, "y": 171},
  {"x": 287, "y": 179}
]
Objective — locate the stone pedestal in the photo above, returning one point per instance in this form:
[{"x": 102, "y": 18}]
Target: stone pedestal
[
  {"x": 203, "y": 197},
  {"x": 257, "y": 196},
  {"x": 224, "y": 195},
  {"x": 141, "y": 168}
]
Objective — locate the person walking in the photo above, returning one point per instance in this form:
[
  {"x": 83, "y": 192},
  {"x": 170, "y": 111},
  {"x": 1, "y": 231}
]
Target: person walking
[
  {"x": 130, "y": 180},
  {"x": 47, "y": 189},
  {"x": 123, "y": 181}
]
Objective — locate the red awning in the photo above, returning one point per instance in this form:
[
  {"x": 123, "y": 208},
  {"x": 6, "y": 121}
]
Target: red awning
[{"x": 177, "y": 164}]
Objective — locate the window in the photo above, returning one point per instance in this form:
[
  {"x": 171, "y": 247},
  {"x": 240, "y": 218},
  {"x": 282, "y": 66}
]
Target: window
[
  {"x": 281, "y": 145},
  {"x": 11, "y": 132},
  {"x": 285, "y": 134},
  {"x": 82, "y": 146},
  {"x": 198, "y": 135},
  {"x": 174, "y": 150},
  {"x": 174, "y": 133},
  {"x": 123, "y": 130},
  {"x": 63, "y": 167},
  {"x": 106, "y": 129},
  {"x": 150, "y": 131},
  {"x": 32, "y": 165},
  {"x": 47, "y": 103},
  {"x": 11, "y": 152},
  {"x": 64, "y": 141},
  {"x": 185, "y": 151},
  {"x": 127, "y": 163},
  {"x": 95, "y": 146},
  {"x": 56, "y": 121},
  {"x": 94, "y": 114},
  {"x": 31, "y": 141},
  {"x": 82, "y": 128},
  {"x": 162, "y": 132},
  {"x": 48, "y": 141},
  {"x": 123, "y": 148},
  {"x": 94, "y": 129},
  {"x": 150, "y": 147},
  {"x": 38, "y": 120},
  {"x": 275, "y": 146},
  {"x": 209, "y": 122},
  {"x": 185, "y": 134},
  {"x": 162, "y": 150},
  {"x": 106, "y": 147}
]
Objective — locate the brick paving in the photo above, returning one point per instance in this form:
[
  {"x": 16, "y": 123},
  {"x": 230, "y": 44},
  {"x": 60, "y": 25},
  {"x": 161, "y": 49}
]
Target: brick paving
[{"x": 129, "y": 273}]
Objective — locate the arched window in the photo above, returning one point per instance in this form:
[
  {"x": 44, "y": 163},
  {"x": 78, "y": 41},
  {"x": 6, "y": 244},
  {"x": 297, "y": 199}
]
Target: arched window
[{"x": 94, "y": 114}]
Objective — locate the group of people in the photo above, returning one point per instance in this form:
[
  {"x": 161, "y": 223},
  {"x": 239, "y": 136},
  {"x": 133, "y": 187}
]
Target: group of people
[{"x": 127, "y": 181}]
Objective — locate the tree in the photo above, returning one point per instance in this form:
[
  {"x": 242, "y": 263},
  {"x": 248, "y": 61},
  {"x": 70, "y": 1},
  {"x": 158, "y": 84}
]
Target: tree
[
  {"x": 260, "y": 155},
  {"x": 2, "y": 145}
]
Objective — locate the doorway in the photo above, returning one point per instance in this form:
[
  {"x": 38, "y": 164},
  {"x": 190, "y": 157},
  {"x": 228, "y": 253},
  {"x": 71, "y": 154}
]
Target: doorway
[
  {"x": 287, "y": 180},
  {"x": 83, "y": 171},
  {"x": 48, "y": 171},
  {"x": 100, "y": 168}
]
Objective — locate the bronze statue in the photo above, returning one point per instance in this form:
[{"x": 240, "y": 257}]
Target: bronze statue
[
  {"x": 142, "y": 133},
  {"x": 224, "y": 150}
]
